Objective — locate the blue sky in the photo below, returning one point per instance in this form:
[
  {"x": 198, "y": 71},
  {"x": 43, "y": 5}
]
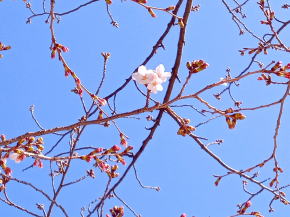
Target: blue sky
[{"x": 182, "y": 170}]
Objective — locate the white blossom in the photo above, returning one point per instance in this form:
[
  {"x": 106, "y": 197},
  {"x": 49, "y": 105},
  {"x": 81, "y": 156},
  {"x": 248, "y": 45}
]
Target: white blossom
[
  {"x": 143, "y": 76},
  {"x": 160, "y": 70},
  {"x": 155, "y": 84},
  {"x": 151, "y": 78}
]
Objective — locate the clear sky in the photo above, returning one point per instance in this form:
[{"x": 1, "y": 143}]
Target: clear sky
[{"x": 176, "y": 164}]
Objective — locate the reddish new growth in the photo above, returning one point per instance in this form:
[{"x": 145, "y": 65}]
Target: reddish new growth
[
  {"x": 102, "y": 157},
  {"x": 123, "y": 140},
  {"x": 101, "y": 101},
  {"x": 4, "y": 48},
  {"x": 286, "y": 6},
  {"x": 270, "y": 15},
  {"x": 58, "y": 48},
  {"x": 116, "y": 148},
  {"x": 245, "y": 207},
  {"x": 185, "y": 130},
  {"x": 116, "y": 211},
  {"x": 278, "y": 69},
  {"x": 262, "y": 47},
  {"x": 25, "y": 147},
  {"x": 196, "y": 66},
  {"x": 232, "y": 119},
  {"x": 140, "y": 1},
  {"x": 38, "y": 163}
]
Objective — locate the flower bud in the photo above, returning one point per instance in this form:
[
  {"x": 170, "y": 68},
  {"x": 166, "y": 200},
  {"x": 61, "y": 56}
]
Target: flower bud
[
  {"x": 248, "y": 204},
  {"x": 277, "y": 66},
  {"x": 170, "y": 8},
  {"x": 116, "y": 148},
  {"x": 151, "y": 12}
]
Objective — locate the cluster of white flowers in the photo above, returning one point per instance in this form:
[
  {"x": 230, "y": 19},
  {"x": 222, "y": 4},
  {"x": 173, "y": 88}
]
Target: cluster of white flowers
[{"x": 151, "y": 78}]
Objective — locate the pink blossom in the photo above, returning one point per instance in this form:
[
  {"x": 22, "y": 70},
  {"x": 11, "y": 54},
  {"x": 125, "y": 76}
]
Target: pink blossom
[
  {"x": 248, "y": 203},
  {"x": 142, "y": 76},
  {"x": 160, "y": 71},
  {"x": 155, "y": 84},
  {"x": 102, "y": 101},
  {"x": 103, "y": 166},
  {"x": 151, "y": 78},
  {"x": 16, "y": 157}
]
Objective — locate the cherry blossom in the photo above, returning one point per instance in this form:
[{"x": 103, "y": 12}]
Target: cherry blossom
[
  {"x": 151, "y": 78},
  {"x": 155, "y": 84},
  {"x": 143, "y": 76},
  {"x": 160, "y": 70},
  {"x": 15, "y": 157}
]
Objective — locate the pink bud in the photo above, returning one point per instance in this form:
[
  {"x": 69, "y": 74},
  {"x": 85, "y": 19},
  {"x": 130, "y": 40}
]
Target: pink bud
[
  {"x": 8, "y": 171},
  {"x": 129, "y": 148},
  {"x": 52, "y": 54},
  {"x": 103, "y": 166},
  {"x": 38, "y": 163},
  {"x": 3, "y": 138},
  {"x": 287, "y": 75},
  {"x": 124, "y": 142},
  {"x": 67, "y": 72},
  {"x": 265, "y": 22},
  {"x": 64, "y": 49},
  {"x": 122, "y": 161},
  {"x": 116, "y": 148},
  {"x": 98, "y": 150},
  {"x": 102, "y": 101},
  {"x": 183, "y": 215},
  {"x": 248, "y": 203}
]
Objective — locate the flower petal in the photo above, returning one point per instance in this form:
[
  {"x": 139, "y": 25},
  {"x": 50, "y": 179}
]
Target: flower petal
[
  {"x": 142, "y": 69},
  {"x": 160, "y": 69}
]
